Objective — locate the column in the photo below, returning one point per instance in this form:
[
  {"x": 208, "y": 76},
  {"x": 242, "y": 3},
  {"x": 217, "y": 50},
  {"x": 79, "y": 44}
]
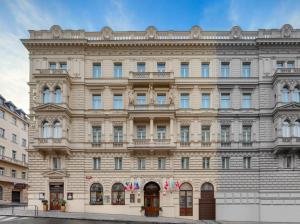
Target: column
[{"x": 151, "y": 129}]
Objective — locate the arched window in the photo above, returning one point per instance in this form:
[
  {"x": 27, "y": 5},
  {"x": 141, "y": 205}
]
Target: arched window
[
  {"x": 46, "y": 95},
  {"x": 296, "y": 94},
  {"x": 207, "y": 187},
  {"x": 297, "y": 128},
  {"x": 45, "y": 130},
  {"x": 285, "y": 94},
  {"x": 1, "y": 193},
  {"x": 56, "y": 129},
  {"x": 96, "y": 194},
  {"x": 118, "y": 194},
  {"x": 286, "y": 129},
  {"x": 57, "y": 95},
  {"x": 186, "y": 199}
]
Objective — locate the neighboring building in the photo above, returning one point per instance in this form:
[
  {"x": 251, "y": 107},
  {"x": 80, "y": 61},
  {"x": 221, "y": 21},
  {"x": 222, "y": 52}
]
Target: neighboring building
[
  {"x": 13, "y": 153},
  {"x": 191, "y": 124}
]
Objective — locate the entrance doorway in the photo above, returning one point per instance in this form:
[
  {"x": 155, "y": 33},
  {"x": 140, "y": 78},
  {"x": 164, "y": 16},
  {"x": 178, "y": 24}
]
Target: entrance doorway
[
  {"x": 16, "y": 196},
  {"x": 56, "y": 194},
  {"x": 151, "y": 199},
  {"x": 207, "y": 203},
  {"x": 186, "y": 199}
]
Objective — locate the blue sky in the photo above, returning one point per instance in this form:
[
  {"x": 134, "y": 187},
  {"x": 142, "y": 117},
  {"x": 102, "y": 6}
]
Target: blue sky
[{"x": 18, "y": 16}]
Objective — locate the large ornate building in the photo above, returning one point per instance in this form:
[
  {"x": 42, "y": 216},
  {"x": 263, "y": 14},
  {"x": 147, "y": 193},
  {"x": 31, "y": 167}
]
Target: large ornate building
[
  {"x": 194, "y": 124},
  {"x": 13, "y": 153}
]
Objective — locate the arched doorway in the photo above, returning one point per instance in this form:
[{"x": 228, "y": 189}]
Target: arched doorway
[
  {"x": 186, "y": 199},
  {"x": 207, "y": 202},
  {"x": 151, "y": 199}
]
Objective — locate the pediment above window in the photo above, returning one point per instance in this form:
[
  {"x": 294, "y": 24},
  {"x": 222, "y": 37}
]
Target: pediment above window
[{"x": 55, "y": 174}]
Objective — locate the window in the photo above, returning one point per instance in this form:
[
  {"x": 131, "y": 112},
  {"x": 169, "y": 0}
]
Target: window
[
  {"x": 57, "y": 129},
  {"x": 141, "y": 99},
  {"x": 247, "y": 162},
  {"x": 56, "y": 163},
  {"x": 97, "y": 104},
  {"x": 184, "y": 71},
  {"x": 57, "y": 95},
  {"x": 205, "y": 101},
  {"x": 14, "y": 121},
  {"x": 205, "y": 133},
  {"x": 225, "y": 69},
  {"x": 161, "y": 132},
  {"x": 118, "y": 70},
  {"x": 96, "y": 134},
  {"x": 13, "y": 173},
  {"x": 24, "y": 126},
  {"x": 205, "y": 162},
  {"x": 290, "y": 64},
  {"x": 141, "y": 67},
  {"x": 225, "y": 100},
  {"x": 118, "y": 134},
  {"x": 296, "y": 94},
  {"x": 162, "y": 163},
  {"x": 246, "y": 100},
  {"x": 246, "y": 132},
  {"x": 45, "y": 130},
  {"x": 297, "y": 128},
  {"x": 24, "y": 175},
  {"x": 63, "y": 65},
  {"x": 52, "y": 65},
  {"x": 96, "y": 194},
  {"x": 2, "y": 114},
  {"x": 280, "y": 64},
  {"x": 225, "y": 162},
  {"x": 118, "y": 194},
  {"x": 141, "y": 132},
  {"x": 185, "y": 163},
  {"x": 46, "y": 95},
  {"x": 2, "y": 171},
  {"x": 288, "y": 162},
  {"x": 246, "y": 69},
  {"x": 23, "y": 142},
  {"x": 184, "y": 134},
  {"x": 2, "y": 151},
  {"x": 118, "y": 163},
  {"x": 225, "y": 134},
  {"x": 186, "y": 199},
  {"x": 2, "y": 133},
  {"x": 24, "y": 158},
  {"x": 14, "y": 154},
  {"x": 161, "y": 98},
  {"x": 96, "y": 163},
  {"x": 286, "y": 129},
  {"x": 161, "y": 67},
  {"x": 1, "y": 189},
  {"x": 14, "y": 138},
  {"x": 118, "y": 101},
  {"x": 96, "y": 70},
  {"x": 205, "y": 70},
  {"x": 141, "y": 163},
  {"x": 285, "y": 94},
  {"x": 184, "y": 100}
]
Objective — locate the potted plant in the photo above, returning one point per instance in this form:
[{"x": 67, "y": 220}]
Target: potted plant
[
  {"x": 142, "y": 208},
  {"x": 62, "y": 204},
  {"x": 45, "y": 205}
]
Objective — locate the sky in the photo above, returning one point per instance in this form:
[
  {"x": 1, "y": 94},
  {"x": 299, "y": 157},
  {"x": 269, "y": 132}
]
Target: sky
[{"x": 19, "y": 16}]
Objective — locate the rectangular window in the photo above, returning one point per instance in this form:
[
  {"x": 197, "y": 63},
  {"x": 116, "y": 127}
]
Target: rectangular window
[
  {"x": 184, "y": 71},
  {"x": 205, "y": 132},
  {"x": 205, "y": 70},
  {"x": 96, "y": 70},
  {"x": 141, "y": 99},
  {"x": 247, "y": 162},
  {"x": 225, "y": 100},
  {"x": 96, "y": 134},
  {"x": 225, "y": 69},
  {"x": 225, "y": 133},
  {"x": 141, "y": 163},
  {"x": 2, "y": 114},
  {"x": 141, "y": 67},
  {"x": 56, "y": 163},
  {"x": 184, "y": 100},
  {"x": 225, "y": 162},
  {"x": 23, "y": 142},
  {"x": 97, "y": 104},
  {"x": 118, "y": 134},
  {"x": 184, "y": 134},
  {"x": 96, "y": 163},
  {"x": 205, "y": 100},
  {"x": 161, "y": 98},
  {"x": 205, "y": 162},
  {"x": 24, "y": 175},
  {"x": 280, "y": 64},
  {"x": 2, "y": 151},
  {"x": 14, "y": 154},
  {"x": 162, "y": 163},
  {"x": 118, "y": 101},
  {"x": 52, "y": 65},
  {"x": 141, "y": 132},
  {"x": 24, "y": 158},
  {"x": 63, "y": 65},
  {"x": 290, "y": 64},
  {"x": 161, "y": 67},
  {"x": 14, "y": 138},
  {"x": 2, "y": 132},
  {"x": 14, "y": 121},
  {"x": 185, "y": 163},
  {"x": 161, "y": 132},
  {"x": 24, "y": 126},
  {"x": 118, "y": 70},
  {"x": 2, "y": 171},
  {"x": 246, "y": 134},
  {"x": 118, "y": 163},
  {"x": 288, "y": 162},
  {"x": 246, "y": 69},
  {"x": 13, "y": 173},
  {"x": 246, "y": 101}
]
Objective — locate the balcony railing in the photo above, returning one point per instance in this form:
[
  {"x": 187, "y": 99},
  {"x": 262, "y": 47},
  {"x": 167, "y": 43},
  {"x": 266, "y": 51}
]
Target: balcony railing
[
  {"x": 14, "y": 161},
  {"x": 225, "y": 143},
  {"x": 185, "y": 143},
  {"x": 152, "y": 107},
  {"x": 139, "y": 76},
  {"x": 288, "y": 70},
  {"x": 141, "y": 141},
  {"x": 53, "y": 71}
]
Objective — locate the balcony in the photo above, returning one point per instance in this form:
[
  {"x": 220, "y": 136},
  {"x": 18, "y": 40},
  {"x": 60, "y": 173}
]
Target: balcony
[
  {"x": 48, "y": 145},
  {"x": 286, "y": 72},
  {"x": 8, "y": 178},
  {"x": 155, "y": 144},
  {"x": 286, "y": 144},
  {"x": 152, "y": 107},
  {"x": 151, "y": 77},
  {"x": 13, "y": 161},
  {"x": 52, "y": 74}
]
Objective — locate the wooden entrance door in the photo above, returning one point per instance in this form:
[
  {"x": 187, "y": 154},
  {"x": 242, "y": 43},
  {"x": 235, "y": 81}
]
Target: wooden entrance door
[
  {"x": 207, "y": 203},
  {"x": 151, "y": 199},
  {"x": 186, "y": 199},
  {"x": 15, "y": 196},
  {"x": 56, "y": 194}
]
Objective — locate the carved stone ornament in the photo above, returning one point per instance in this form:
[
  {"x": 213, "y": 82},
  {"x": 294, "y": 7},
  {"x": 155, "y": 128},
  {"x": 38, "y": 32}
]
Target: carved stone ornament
[
  {"x": 151, "y": 32},
  {"x": 195, "y": 32},
  {"x": 56, "y": 31},
  {"x": 236, "y": 32},
  {"x": 106, "y": 33},
  {"x": 286, "y": 30}
]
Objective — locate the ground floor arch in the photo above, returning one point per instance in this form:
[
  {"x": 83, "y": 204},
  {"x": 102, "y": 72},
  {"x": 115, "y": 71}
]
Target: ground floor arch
[
  {"x": 207, "y": 202},
  {"x": 151, "y": 199}
]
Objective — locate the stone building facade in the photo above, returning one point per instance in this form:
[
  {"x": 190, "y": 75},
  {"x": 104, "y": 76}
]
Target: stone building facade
[
  {"x": 193, "y": 124},
  {"x": 13, "y": 153}
]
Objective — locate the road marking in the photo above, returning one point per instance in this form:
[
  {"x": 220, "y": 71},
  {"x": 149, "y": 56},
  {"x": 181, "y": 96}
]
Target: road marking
[{"x": 8, "y": 219}]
